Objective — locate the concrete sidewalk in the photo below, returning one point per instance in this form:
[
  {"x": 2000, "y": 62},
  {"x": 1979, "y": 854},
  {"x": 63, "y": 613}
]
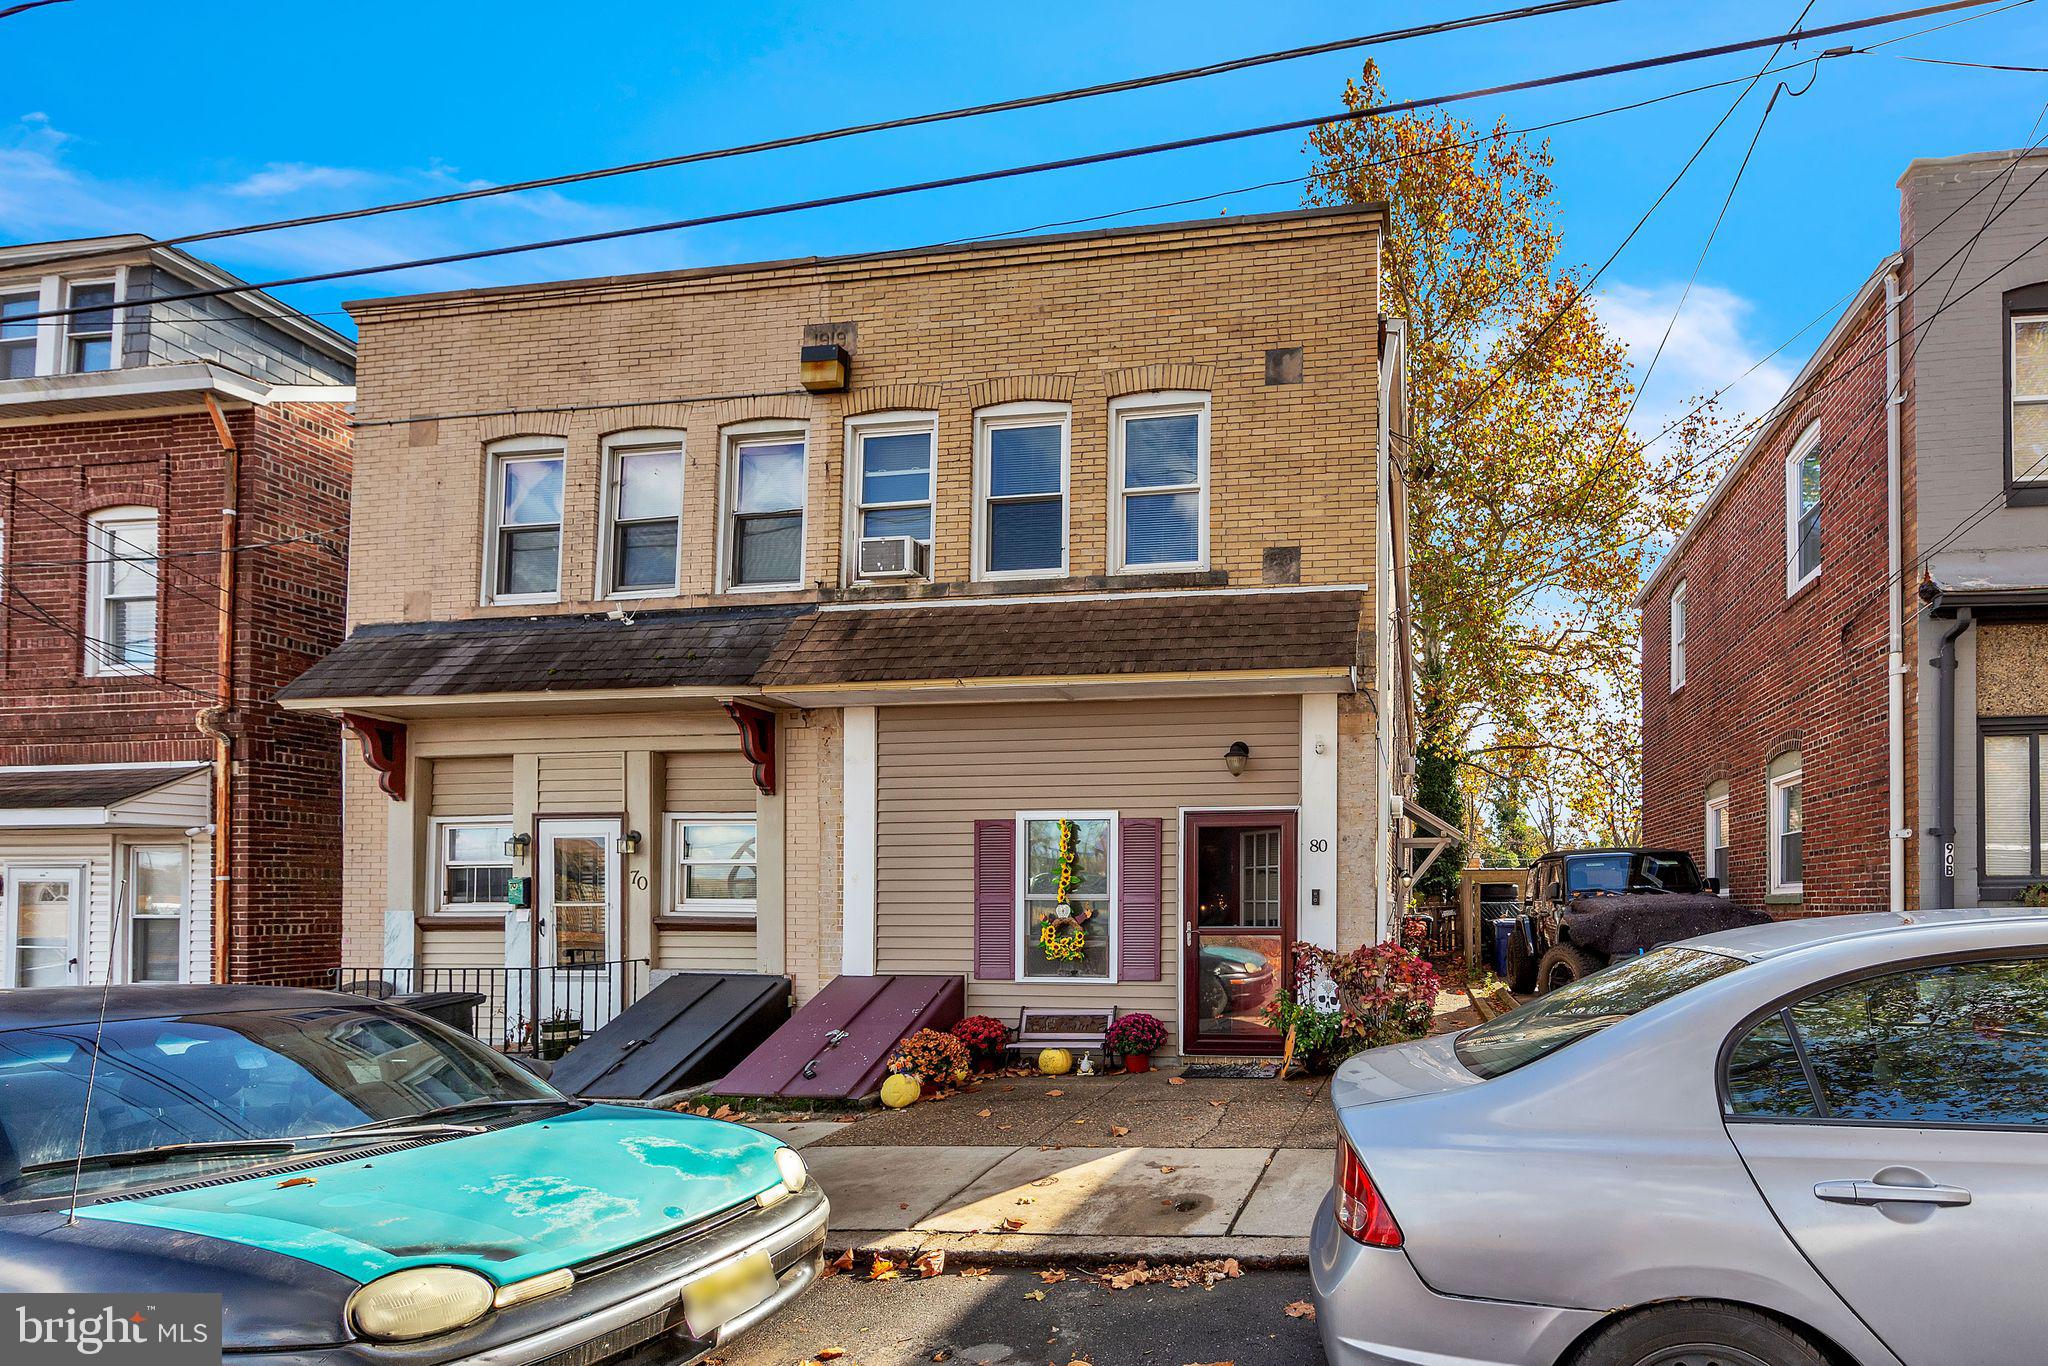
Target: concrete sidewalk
[{"x": 1041, "y": 1169}]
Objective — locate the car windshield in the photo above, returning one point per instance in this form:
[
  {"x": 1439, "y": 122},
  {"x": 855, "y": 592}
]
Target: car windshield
[
  {"x": 250, "y": 1077},
  {"x": 1586, "y": 1007},
  {"x": 1652, "y": 872}
]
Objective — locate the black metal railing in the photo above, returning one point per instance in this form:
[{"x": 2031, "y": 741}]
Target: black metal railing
[{"x": 544, "y": 1010}]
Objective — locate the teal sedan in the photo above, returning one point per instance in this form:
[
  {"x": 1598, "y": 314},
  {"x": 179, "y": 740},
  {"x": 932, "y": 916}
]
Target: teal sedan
[{"x": 363, "y": 1185}]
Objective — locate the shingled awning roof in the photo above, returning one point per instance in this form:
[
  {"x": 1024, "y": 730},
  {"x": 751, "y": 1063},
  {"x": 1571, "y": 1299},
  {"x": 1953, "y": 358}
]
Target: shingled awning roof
[
  {"x": 1191, "y": 633},
  {"x": 42, "y": 789},
  {"x": 710, "y": 648}
]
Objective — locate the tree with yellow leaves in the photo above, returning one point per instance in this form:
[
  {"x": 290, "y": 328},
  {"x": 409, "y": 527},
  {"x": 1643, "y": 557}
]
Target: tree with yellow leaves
[{"x": 1534, "y": 515}]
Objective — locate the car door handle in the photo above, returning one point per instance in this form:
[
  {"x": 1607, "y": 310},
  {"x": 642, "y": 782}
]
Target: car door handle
[{"x": 1878, "y": 1193}]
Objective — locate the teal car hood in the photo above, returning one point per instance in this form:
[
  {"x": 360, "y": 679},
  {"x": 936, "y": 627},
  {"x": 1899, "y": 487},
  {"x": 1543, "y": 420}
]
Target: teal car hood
[{"x": 509, "y": 1203}]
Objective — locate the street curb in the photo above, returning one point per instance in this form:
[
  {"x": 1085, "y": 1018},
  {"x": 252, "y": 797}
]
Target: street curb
[{"x": 1067, "y": 1249}]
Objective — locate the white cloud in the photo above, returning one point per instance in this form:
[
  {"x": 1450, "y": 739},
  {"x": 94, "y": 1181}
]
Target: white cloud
[
  {"x": 1711, "y": 347},
  {"x": 294, "y": 177}
]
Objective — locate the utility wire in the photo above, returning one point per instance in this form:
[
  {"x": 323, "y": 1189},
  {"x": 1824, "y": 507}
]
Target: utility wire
[
  {"x": 1058, "y": 164},
  {"x": 889, "y": 125}
]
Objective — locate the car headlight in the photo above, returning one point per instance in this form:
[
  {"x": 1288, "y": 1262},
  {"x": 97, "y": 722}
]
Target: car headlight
[
  {"x": 420, "y": 1302},
  {"x": 792, "y": 1169}
]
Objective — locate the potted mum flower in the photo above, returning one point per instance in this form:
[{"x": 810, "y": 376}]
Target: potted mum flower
[
  {"x": 984, "y": 1036},
  {"x": 1137, "y": 1037},
  {"x": 937, "y": 1060}
]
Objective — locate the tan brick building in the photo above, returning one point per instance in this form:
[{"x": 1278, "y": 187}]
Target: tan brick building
[{"x": 795, "y": 617}]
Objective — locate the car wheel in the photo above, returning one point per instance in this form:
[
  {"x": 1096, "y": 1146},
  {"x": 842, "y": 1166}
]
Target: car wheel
[
  {"x": 1521, "y": 973},
  {"x": 1699, "y": 1334},
  {"x": 1212, "y": 998},
  {"x": 1564, "y": 964}
]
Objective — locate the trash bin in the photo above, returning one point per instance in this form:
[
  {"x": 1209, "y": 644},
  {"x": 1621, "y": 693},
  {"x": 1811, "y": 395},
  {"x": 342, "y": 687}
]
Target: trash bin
[{"x": 456, "y": 1009}]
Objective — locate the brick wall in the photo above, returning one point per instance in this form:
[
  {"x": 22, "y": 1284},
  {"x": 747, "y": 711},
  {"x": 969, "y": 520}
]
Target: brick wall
[
  {"x": 1074, "y": 320},
  {"x": 284, "y": 898},
  {"x": 1766, "y": 674}
]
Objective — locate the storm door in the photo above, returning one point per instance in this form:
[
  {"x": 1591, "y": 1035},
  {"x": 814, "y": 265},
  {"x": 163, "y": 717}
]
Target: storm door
[
  {"x": 578, "y": 913},
  {"x": 1237, "y": 895}
]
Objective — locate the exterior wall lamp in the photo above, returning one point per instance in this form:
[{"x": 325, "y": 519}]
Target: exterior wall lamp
[
  {"x": 629, "y": 843},
  {"x": 517, "y": 846},
  {"x": 1237, "y": 758}
]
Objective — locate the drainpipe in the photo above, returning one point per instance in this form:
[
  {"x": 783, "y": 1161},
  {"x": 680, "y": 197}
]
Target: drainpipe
[
  {"x": 214, "y": 720},
  {"x": 1945, "y": 757},
  {"x": 1897, "y": 832}
]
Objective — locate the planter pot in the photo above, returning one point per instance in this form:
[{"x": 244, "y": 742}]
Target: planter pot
[
  {"x": 558, "y": 1037},
  {"x": 1137, "y": 1062}
]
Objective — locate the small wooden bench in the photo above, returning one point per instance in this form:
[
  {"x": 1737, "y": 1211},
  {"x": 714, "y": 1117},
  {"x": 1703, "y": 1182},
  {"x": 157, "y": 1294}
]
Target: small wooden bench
[{"x": 1079, "y": 1029}]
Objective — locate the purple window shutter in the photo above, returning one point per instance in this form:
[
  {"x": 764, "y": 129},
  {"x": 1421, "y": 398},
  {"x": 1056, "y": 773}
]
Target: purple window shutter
[
  {"x": 995, "y": 901},
  {"x": 1139, "y": 899}
]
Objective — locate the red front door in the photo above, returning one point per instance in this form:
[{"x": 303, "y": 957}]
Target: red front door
[{"x": 1237, "y": 920}]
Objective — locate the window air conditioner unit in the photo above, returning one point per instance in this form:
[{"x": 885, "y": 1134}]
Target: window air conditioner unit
[{"x": 894, "y": 557}]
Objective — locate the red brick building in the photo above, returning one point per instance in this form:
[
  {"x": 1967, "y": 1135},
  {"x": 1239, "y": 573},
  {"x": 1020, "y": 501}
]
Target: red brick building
[
  {"x": 125, "y": 431},
  {"x": 1768, "y": 651}
]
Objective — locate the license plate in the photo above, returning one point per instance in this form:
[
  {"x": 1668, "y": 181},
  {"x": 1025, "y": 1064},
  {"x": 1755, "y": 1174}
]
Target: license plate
[{"x": 722, "y": 1295}]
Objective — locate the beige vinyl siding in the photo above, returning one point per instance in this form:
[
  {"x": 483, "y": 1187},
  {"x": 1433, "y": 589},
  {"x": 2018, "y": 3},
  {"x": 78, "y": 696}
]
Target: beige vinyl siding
[
  {"x": 708, "y": 780},
  {"x": 940, "y": 769},
  {"x": 704, "y": 950},
  {"x": 100, "y": 853},
  {"x": 707, "y": 783},
  {"x": 176, "y": 805},
  {"x": 582, "y": 782},
  {"x": 473, "y": 786}
]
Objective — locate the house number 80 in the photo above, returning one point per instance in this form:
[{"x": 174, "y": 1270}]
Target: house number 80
[{"x": 1319, "y": 846}]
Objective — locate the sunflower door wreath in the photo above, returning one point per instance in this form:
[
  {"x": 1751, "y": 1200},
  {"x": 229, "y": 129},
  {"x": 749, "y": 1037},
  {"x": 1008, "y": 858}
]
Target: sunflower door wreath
[{"x": 1063, "y": 936}]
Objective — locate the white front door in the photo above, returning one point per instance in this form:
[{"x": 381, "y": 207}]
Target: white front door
[
  {"x": 43, "y": 909},
  {"x": 578, "y": 910}
]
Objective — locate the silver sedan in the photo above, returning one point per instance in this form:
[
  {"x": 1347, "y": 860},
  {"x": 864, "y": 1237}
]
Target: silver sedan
[{"x": 1821, "y": 1142}]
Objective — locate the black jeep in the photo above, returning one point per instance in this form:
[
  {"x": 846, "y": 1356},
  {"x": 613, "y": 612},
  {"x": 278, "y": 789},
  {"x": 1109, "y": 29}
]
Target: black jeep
[{"x": 1590, "y": 906}]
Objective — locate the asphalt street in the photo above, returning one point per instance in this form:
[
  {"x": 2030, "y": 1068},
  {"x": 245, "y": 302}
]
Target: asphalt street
[{"x": 993, "y": 1321}]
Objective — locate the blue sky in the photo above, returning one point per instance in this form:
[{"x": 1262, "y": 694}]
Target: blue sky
[{"x": 224, "y": 113}]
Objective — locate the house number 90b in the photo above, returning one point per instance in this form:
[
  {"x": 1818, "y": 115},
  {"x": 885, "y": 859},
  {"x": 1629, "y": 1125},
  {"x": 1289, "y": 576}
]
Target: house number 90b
[{"x": 1319, "y": 846}]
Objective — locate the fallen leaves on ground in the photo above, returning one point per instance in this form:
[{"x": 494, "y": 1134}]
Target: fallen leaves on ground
[
  {"x": 1052, "y": 1275},
  {"x": 1176, "y": 1081},
  {"x": 930, "y": 1264},
  {"x": 843, "y": 1262},
  {"x": 1177, "y": 1275},
  {"x": 1301, "y": 1309},
  {"x": 722, "y": 1112},
  {"x": 881, "y": 1269},
  {"x": 970, "y": 1273},
  {"x": 1084, "y": 1120},
  {"x": 983, "y": 1114},
  {"x": 1034, "y": 1294},
  {"x": 1219, "y": 1102},
  {"x": 1055, "y": 1092},
  {"x": 943, "y": 1355},
  {"x": 1118, "y": 1131},
  {"x": 1167, "y": 1171},
  {"x": 1011, "y": 1225},
  {"x": 831, "y": 1353}
]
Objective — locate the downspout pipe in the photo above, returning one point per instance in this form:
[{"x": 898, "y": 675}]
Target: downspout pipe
[
  {"x": 1945, "y": 756},
  {"x": 1897, "y": 831},
  {"x": 216, "y": 721}
]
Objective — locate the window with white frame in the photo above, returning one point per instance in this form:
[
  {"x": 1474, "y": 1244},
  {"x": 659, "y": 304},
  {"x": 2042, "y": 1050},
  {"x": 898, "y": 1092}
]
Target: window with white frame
[
  {"x": 18, "y": 327},
  {"x": 2014, "y": 767},
  {"x": 715, "y": 860},
  {"x": 89, "y": 335},
  {"x": 1678, "y": 636},
  {"x": 120, "y": 612},
  {"x": 2030, "y": 398},
  {"x": 1160, "y": 473},
  {"x": 890, "y": 457},
  {"x": 641, "y": 544},
  {"x": 1067, "y": 928},
  {"x": 524, "y": 556},
  {"x": 764, "y": 498},
  {"x": 156, "y": 912},
  {"x": 472, "y": 870},
  {"x": 1802, "y": 510},
  {"x": 1717, "y": 842},
  {"x": 1021, "y": 523},
  {"x": 1788, "y": 825}
]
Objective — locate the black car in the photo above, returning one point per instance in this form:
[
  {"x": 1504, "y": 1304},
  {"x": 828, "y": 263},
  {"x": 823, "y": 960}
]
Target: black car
[
  {"x": 362, "y": 1185},
  {"x": 1590, "y": 906}
]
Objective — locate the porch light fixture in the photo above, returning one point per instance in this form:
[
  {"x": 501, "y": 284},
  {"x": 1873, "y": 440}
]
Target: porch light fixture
[
  {"x": 517, "y": 846},
  {"x": 629, "y": 843},
  {"x": 1237, "y": 758},
  {"x": 823, "y": 369}
]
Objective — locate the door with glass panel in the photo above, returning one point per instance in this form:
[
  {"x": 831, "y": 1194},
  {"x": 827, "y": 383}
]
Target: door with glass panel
[
  {"x": 1237, "y": 894},
  {"x": 577, "y": 921},
  {"x": 2014, "y": 778},
  {"x": 152, "y": 898},
  {"x": 43, "y": 907}
]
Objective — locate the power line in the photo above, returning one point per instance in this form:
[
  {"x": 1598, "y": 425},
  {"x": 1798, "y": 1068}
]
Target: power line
[
  {"x": 1979, "y": 66},
  {"x": 890, "y": 125},
  {"x": 142, "y": 563},
  {"x": 98, "y": 651},
  {"x": 1058, "y": 164}
]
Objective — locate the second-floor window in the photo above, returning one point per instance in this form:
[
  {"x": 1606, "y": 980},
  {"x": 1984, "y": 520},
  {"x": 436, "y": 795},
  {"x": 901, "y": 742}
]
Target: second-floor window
[
  {"x": 1678, "y": 637},
  {"x": 765, "y": 496},
  {"x": 89, "y": 336},
  {"x": 892, "y": 462},
  {"x": 1160, "y": 462},
  {"x": 643, "y": 514},
  {"x": 525, "y": 551},
  {"x": 2030, "y": 398},
  {"x": 18, "y": 335},
  {"x": 1021, "y": 524},
  {"x": 120, "y": 624},
  {"x": 1802, "y": 511}
]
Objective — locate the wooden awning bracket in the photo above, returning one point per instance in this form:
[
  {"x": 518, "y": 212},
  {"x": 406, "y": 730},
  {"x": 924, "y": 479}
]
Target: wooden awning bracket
[
  {"x": 757, "y": 741},
  {"x": 383, "y": 745},
  {"x": 1432, "y": 846}
]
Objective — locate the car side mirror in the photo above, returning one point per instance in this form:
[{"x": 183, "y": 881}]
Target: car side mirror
[
  {"x": 540, "y": 1067},
  {"x": 1713, "y": 884}
]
